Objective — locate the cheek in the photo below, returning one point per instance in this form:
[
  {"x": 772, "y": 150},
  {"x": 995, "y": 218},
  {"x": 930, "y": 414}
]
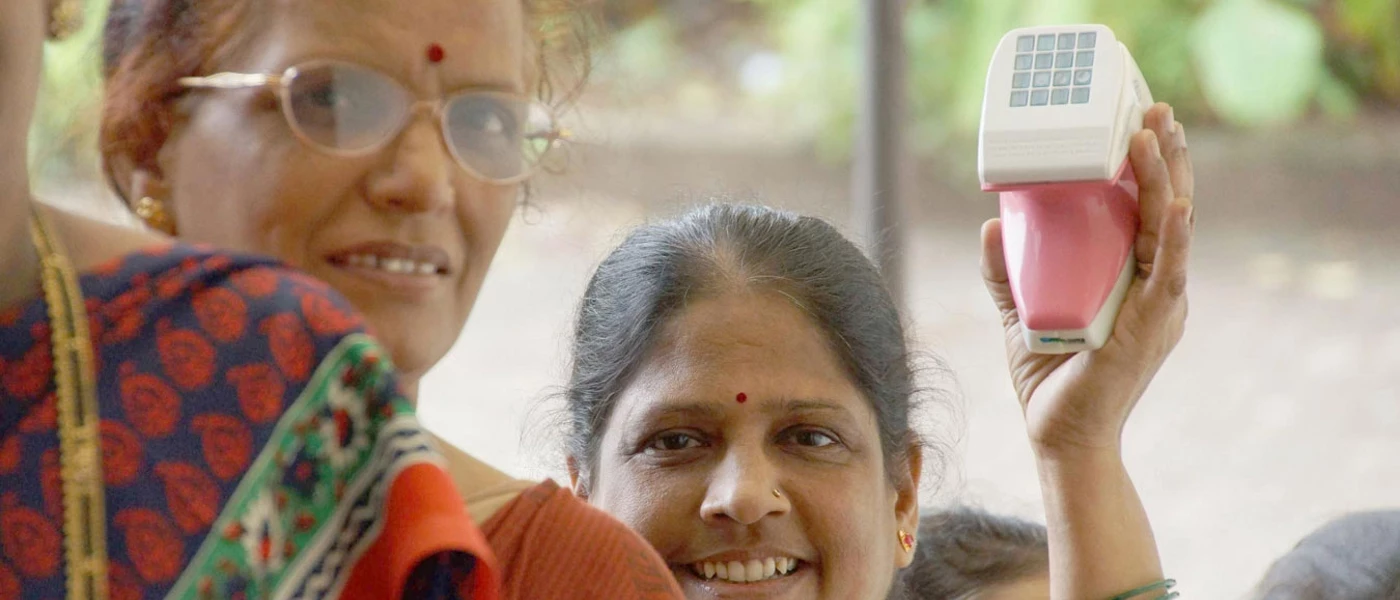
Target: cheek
[
  {"x": 483, "y": 215},
  {"x": 850, "y": 519},
  {"x": 254, "y": 187},
  {"x": 660, "y": 506}
]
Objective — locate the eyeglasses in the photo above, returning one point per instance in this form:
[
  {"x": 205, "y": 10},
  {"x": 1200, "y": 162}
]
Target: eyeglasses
[{"x": 346, "y": 109}]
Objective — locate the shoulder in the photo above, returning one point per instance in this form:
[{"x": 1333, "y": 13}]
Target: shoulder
[
  {"x": 206, "y": 316},
  {"x": 485, "y": 489},
  {"x": 559, "y": 543},
  {"x": 91, "y": 242},
  {"x": 222, "y": 291},
  {"x": 116, "y": 258}
]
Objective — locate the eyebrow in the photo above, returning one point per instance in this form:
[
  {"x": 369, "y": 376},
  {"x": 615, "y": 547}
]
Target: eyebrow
[
  {"x": 709, "y": 409},
  {"x": 810, "y": 405},
  {"x": 700, "y": 409}
]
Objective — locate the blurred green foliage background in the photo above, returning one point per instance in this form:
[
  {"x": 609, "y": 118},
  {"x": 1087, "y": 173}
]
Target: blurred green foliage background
[
  {"x": 1246, "y": 64},
  {"x": 1238, "y": 63},
  {"x": 63, "y": 138}
]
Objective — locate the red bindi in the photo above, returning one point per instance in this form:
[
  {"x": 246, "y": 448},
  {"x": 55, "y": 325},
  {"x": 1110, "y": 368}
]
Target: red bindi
[
  {"x": 741, "y": 398},
  {"x": 436, "y": 53}
]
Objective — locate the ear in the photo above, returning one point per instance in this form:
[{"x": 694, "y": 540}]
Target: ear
[
  {"x": 146, "y": 194},
  {"x": 133, "y": 182},
  {"x": 906, "y": 504},
  {"x": 575, "y": 479},
  {"x": 147, "y": 183}
]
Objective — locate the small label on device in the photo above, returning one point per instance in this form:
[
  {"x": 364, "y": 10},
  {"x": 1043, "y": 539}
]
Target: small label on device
[{"x": 1055, "y": 340}]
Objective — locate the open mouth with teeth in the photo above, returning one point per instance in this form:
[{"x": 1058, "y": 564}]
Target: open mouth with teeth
[
  {"x": 397, "y": 266},
  {"x": 749, "y": 571}
]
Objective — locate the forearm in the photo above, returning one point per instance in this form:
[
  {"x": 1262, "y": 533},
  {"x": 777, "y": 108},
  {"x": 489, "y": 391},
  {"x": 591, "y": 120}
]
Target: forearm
[{"x": 1101, "y": 542}]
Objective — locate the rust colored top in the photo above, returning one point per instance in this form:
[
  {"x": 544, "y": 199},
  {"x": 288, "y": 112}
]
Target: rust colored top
[{"x": 550, "y": 544}]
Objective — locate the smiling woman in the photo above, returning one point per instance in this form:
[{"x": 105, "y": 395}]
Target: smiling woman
[
  {"x": 809, "y": 487},
  {"x": 379, "y": 146},
  {"x": 741, "y": 392},
  {"x": 181, "y": 422},
  {"x": 296, "y": 129}
]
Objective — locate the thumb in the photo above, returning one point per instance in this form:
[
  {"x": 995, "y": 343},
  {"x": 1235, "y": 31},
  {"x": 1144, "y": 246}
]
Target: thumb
[{"x": 994, "y": 270}]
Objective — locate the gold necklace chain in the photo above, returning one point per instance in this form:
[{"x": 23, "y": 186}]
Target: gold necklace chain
[{"x": 84, "y": 507}]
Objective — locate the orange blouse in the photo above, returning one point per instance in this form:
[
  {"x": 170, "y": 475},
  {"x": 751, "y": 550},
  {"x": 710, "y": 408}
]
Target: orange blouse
[{"x": 550, "y": 544}]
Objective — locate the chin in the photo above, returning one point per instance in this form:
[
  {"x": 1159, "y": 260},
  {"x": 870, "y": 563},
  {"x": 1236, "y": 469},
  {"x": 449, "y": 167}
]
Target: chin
[{"x": 415, "y": 345}]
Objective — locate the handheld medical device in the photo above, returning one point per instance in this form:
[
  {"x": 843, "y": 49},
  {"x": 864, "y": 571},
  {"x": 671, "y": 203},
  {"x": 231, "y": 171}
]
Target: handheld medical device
[{"x": 1061, "y": 104}]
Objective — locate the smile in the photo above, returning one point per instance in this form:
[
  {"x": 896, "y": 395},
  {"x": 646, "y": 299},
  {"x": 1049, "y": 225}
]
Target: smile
[
  {"x": 393, "y": 258},
  {"x": 398, "y": 266},
  {"x": 405, "y": 271},
  {"x": 749, "y": 571}
]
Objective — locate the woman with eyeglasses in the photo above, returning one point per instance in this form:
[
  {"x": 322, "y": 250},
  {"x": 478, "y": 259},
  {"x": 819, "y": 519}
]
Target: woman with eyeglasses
[
  {"x": 380, "y": 147},
  {"x": 182, "y": 422}
]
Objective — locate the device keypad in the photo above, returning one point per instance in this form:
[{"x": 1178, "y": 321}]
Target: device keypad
[{"x": 1053, "y": 69}]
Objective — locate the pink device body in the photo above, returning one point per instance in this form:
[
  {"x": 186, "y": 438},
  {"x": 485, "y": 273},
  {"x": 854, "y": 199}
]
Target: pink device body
[{"x": 1061, "y": 104}]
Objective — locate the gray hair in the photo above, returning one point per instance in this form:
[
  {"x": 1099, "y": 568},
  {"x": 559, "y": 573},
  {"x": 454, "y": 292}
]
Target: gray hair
[{"x": 659, "y": 268}]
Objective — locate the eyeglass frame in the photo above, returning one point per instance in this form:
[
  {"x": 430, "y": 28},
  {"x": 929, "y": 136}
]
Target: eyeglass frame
[{"x": 280, "y": 83}]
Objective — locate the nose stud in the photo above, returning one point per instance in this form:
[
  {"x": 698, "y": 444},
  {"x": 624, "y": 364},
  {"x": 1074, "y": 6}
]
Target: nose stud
[{"x": 776, "y": 493}]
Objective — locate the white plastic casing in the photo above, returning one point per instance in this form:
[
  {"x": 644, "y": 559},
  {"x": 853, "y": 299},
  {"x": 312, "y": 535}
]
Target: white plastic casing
[{"x": 1060, "y": 142}]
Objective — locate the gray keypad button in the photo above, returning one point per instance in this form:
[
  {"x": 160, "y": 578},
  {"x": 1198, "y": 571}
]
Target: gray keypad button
[
  {"x": 1080, "y": 95},
  {"x": 1023, "y": 62},
  {"x": 1062, "y": 78},
  {"x": 1020, "y": 81},
  {"x": 1044, "y": 61},
  {"x": 1064, "y": 60},
  {"x": 1066, "y": 41},
  {"x": 1084, "y": 59},
  {"x": 1019, "y": 99},
  {"x": 1087, "y": 39},
  {"x": 1083, "y": 76},
  {"x": 1060, "y": 96},
  {"x": 1040, "y": 97},
  {"x": 1045, "y": 43},
  {"x": 1042, "y": 79},
  {"x": 1025, "y": 43}
]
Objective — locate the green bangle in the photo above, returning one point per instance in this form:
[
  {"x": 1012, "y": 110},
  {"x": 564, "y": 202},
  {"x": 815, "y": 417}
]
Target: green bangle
[{"x": 1165, "y": 585}]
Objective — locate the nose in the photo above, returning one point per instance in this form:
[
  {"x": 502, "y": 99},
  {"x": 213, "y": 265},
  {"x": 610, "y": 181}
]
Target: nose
[
  {"x": 418, "y": 175},
  {"x": 741, "y": 490}
]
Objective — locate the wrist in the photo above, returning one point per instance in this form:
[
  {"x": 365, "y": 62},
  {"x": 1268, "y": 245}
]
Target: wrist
[{"x": 1061, "y": 456}]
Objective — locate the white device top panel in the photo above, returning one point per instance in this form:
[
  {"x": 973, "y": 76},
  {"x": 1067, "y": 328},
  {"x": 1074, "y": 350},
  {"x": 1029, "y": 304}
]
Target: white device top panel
[{"x": 1053, "y": 106}]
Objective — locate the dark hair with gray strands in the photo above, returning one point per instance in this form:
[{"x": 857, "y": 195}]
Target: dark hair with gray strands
[
  {"x": 661, "y": 267},
  {"x": 965, "y": 550},
  {"x": 1355, "y": 557}
]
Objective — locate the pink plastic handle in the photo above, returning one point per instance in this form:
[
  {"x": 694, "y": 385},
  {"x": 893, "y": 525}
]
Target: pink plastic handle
[{"x": 1065, "y": 246}]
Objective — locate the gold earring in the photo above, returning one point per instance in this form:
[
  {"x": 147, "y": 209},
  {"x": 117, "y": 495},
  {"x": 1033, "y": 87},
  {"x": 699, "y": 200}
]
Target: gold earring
[
  {"x": 153, "y": 212},
  {"x": 906, "y": 540},
  {"x": 65, "y": 18}
]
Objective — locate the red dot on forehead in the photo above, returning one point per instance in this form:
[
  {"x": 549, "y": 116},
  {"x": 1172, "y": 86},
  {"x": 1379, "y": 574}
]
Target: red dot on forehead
[
  {"x": 741, "y": 398},
  {"x": 436, "y": 53}
]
